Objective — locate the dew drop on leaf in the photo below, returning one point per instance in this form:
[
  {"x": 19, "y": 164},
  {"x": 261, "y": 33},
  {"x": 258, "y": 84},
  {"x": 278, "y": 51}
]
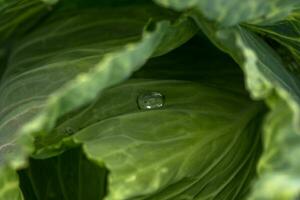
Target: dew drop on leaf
[{"x": 150, "y": 100}]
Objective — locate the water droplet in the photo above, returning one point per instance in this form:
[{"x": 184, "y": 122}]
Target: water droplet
[
  {"x": 150, "y": 100},
  {"x": 69, "y": 131}
]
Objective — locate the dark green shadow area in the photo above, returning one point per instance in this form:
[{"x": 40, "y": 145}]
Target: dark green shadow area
[{"x": 69, "y": 176}]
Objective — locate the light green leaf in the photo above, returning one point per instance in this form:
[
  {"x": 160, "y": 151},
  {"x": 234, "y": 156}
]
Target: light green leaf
[
  {"x": 62, "y": 85},
  {"x": 9, "y": 185},
  {"x": 284, "y": 38},
  {"x": 232, "y": 12},
  {"x": 79, "y": 91},
  {"x": 263, "y": 67},
  {"x": 66, "y": 73},
  {"x": 172, "y": 152},
  {"x": 267, "y": 78},
  {"x": 207, "y": 70},
  {"x": 279, "y": 165}
]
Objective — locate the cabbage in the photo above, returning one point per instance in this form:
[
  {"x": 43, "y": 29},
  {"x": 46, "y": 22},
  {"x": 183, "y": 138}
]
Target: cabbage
[{"x": 141, "y": 100}]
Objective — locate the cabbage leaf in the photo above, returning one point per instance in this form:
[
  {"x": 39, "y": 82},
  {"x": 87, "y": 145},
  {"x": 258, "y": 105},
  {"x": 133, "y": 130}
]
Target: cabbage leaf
[{"x": 141, "y": 100}]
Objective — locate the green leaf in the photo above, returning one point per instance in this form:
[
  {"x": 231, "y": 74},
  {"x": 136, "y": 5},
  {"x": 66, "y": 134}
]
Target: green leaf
[
  {"x": 9, "y": 186},
  {"x": 279, "y": 166},
  {"x": 232, "y": 12},
  {"x": 50, "y": 2},
  {"x": 284, "y": 38},
  {"x": 179, "y": 157},
  {"x": 183, "y": 65},
  {"x": 182, "y": 127},
  {"x": 69, "y": 176},
  {"x": 263, "y": 67},
  {"x": 268, "y": 78},
  {"x": 120, "y": 101},
  {"x": 18, "y": 16},
  {"x": 95, "y": 55}
]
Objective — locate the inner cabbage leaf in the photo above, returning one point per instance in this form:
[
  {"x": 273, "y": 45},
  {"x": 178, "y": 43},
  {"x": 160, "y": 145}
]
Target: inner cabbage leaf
[{"x": 203, "y": 143}]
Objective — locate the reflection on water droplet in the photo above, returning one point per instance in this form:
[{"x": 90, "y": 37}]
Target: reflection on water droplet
[
  {"x": 150, "y": 100},
  {"x": 69, "y": 131}
]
